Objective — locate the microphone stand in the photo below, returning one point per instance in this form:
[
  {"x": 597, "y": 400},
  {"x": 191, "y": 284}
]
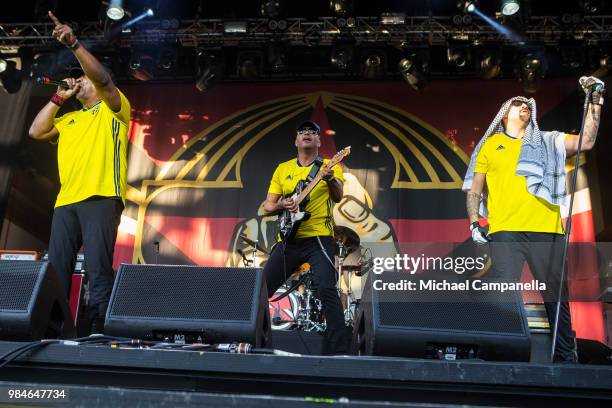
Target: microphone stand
[{"x": 568, "y": 225}]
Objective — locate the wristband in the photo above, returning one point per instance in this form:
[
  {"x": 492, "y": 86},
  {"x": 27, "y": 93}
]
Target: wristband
[
  {"x": 58, "y": 100},
  {"x": 74, "y": 45},
  {"x": 473, "y": 225}
]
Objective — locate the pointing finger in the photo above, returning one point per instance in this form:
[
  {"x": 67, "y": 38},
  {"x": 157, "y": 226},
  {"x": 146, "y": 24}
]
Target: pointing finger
[{"x": 53, "y": 18}]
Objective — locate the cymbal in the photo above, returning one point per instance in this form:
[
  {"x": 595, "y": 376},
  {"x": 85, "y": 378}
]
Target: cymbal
[
  {"x": 254, "y": 244},
  {"x": 347, "y": 237}
]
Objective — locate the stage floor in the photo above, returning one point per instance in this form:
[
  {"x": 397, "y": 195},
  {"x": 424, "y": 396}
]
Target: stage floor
[{"x": 338, "y": 378}]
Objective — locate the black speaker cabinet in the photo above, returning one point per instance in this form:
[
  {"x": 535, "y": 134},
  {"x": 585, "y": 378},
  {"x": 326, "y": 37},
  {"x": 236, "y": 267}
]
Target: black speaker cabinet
[
  {"x": 33, "y": 303},
  {"x": 455, "y": 326},
  {"x": 189, "y": 303}
]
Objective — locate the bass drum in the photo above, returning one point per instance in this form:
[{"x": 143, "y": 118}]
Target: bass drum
[{"x": 283, "y": 312}]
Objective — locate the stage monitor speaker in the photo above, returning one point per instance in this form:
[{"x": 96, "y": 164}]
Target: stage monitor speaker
[
  {"x": 33, "y": 304},
  {"x": 458, "y": 326},
  {"x": 189, "y": 304}
]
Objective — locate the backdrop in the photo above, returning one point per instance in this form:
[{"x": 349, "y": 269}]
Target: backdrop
[{"x": 200, "y": 164}]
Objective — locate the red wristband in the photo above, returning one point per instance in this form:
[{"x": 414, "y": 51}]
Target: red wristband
[{"x": 58, "y": 100}]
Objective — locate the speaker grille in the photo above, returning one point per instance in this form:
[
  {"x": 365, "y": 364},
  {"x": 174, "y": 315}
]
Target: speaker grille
[
  {"x": 496, "y": 317},
  {"x": 17, "y": 282},
  {"x": 189, "y": 292}
]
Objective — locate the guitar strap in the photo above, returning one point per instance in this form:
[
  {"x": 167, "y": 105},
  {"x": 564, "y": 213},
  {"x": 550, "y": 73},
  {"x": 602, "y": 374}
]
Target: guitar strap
[{"x": 318, "y": 162}]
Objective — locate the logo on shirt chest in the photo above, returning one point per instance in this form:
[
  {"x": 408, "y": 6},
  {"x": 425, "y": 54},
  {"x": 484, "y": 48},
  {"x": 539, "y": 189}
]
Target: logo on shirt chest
[
  {"x": 500, "y": 147},
  {"x": 72, "y": 122}
]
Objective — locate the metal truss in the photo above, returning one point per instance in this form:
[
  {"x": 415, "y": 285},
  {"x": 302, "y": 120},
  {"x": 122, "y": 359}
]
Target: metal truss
[{"x": 423, "y": 30}]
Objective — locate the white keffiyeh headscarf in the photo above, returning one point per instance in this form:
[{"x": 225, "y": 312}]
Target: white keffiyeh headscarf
[{"x": 541, "y": 161}]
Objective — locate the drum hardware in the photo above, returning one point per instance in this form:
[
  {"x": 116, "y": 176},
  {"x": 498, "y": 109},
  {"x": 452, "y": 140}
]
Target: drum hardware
[{"x": 347, "y": 241}]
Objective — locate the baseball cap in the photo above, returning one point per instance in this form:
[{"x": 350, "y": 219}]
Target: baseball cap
[{"x": 309, "y": 124}]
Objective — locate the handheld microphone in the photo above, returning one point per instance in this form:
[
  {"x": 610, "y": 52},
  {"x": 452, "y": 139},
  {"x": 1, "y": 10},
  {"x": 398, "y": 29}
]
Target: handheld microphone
[
  {"x": 46, "y": 80},
  {"x": 595, "y": 87}
]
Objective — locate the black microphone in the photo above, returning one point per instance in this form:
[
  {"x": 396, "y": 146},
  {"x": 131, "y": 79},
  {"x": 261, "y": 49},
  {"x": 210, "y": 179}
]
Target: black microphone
[{"x": 46, "y": 80}]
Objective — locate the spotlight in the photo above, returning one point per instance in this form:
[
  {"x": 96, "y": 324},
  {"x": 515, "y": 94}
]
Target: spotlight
[
  {"x": 277, "y": 59},
  {"x": 208, "y": 71},
  {"x": 392, "y": 18},
  {"x": 531, "y": 72},
  {"x": 342, "y": 57},
  {"x": 115, "y": 10},
  {"x": 141, "y": 66},
  {"x": 591, "y": 6},
  {"x": 10, "y": 76},
  {"x": 411, "y": 72},
  {"x": 510, "y": 7},
  {"x": 271, "y": 8},
  {"x": 149, "y": 12},
  {"x": 373, "y": 65},
  {"x": 457, "y": 56},
  {"x": 342, "y": 7},
  {"x": 167, "y": 58},
  {"x": 467, "y": 6},
  {"x": 490, "y": 66},
  {"x": 249, "y": 64}
]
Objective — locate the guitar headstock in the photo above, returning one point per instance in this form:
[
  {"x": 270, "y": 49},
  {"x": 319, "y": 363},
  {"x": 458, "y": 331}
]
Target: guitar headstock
[{"x": 338, "y": 157}]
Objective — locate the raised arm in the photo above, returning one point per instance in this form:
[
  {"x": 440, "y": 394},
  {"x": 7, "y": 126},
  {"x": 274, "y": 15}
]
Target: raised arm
[
  {"x": 94, "y": 70},
  {"x": 593, "y": 116}
]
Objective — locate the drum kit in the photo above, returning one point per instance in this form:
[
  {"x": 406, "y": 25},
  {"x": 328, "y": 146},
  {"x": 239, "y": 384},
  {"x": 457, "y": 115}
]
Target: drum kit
[{"x": 295, "y": 305}]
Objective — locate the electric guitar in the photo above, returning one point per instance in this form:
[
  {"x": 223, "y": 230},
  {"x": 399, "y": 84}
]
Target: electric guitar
[{"x": 288, "y": 221}]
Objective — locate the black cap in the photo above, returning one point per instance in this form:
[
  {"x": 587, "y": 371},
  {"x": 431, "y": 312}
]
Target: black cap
[{"x": 310, "y": 124}]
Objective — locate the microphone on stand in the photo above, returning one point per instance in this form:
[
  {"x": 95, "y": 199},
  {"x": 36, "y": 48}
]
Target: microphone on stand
[{"x": 46, "y": 80}]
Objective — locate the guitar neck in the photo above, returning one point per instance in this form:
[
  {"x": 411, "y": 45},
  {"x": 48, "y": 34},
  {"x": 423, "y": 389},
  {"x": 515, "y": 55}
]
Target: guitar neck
[{"x": 304, "y": 193}]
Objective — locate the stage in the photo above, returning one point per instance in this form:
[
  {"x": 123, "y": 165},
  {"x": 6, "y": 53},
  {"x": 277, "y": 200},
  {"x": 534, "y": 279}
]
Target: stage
[{"x": 103, "y": 376}]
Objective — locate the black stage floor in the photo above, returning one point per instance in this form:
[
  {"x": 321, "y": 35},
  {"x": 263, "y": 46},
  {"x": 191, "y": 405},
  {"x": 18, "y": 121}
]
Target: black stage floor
[{"x": 255, "y": 380}]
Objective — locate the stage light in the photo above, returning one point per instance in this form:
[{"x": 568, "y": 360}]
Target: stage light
[
  {"x": 392, "y": 18},
  {"x": 271, "y": 8},
  {"x": 141, "y": 65},
  {"x": 10, "y": 76},
  {"x": 115, "y": 10},
  {"x": 591, "y": 6},
  {"x": 373, "y": 65},
  {"x": 342, "y": 7},
  {"x": 342, "y": 57},
  {"x": 467, "y": 6},
  {"x": 149, "y": 12},
  {"x": 531, "y": 72},
  {"x": 510, "y": 7},
  {"x": 249, "y": 64},
  {"x": 490, "y": 66},
  {"x": 457, "y": 56},
  {"x": 407, "y": 69},
  {"x": 235, "y": 27},
  {"x": 277, "y": 58},
  {"x": 208, "y": 71}
]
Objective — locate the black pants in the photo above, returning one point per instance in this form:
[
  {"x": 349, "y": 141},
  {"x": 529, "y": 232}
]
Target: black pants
[
  {"x": 543, "y": 252},
  {"x": 324, "y": 279},
  {"x": 92, "y": 223}
]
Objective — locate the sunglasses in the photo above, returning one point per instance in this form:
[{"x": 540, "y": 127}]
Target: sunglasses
[
  {"x": 307, "y": 130},
  {"x": 518, "y": 102}
]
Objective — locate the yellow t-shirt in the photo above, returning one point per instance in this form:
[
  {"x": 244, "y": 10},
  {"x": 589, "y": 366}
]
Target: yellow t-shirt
[
  {"x": 92, "y": 152},
  {"x": 285, "y": 178},
  {"x": 511, "y": 207}
]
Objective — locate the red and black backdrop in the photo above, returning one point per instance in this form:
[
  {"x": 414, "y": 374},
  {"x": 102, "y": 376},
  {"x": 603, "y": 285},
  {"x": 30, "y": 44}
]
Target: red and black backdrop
[{"x": 200, "y": 163}]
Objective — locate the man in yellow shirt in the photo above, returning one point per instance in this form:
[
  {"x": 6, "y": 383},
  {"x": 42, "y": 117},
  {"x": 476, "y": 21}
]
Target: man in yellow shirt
[
  {"x": 313, "y": 241},
  {"x": 92, "y": 162},
  {"x": 519, "y": 170}
]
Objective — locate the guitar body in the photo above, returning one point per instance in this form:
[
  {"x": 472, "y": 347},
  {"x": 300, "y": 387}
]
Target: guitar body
[{"x": 289, "y": 222}]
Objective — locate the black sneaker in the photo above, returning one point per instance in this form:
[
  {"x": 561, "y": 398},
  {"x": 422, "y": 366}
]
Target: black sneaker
[{"x": 97, "y": 325}]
